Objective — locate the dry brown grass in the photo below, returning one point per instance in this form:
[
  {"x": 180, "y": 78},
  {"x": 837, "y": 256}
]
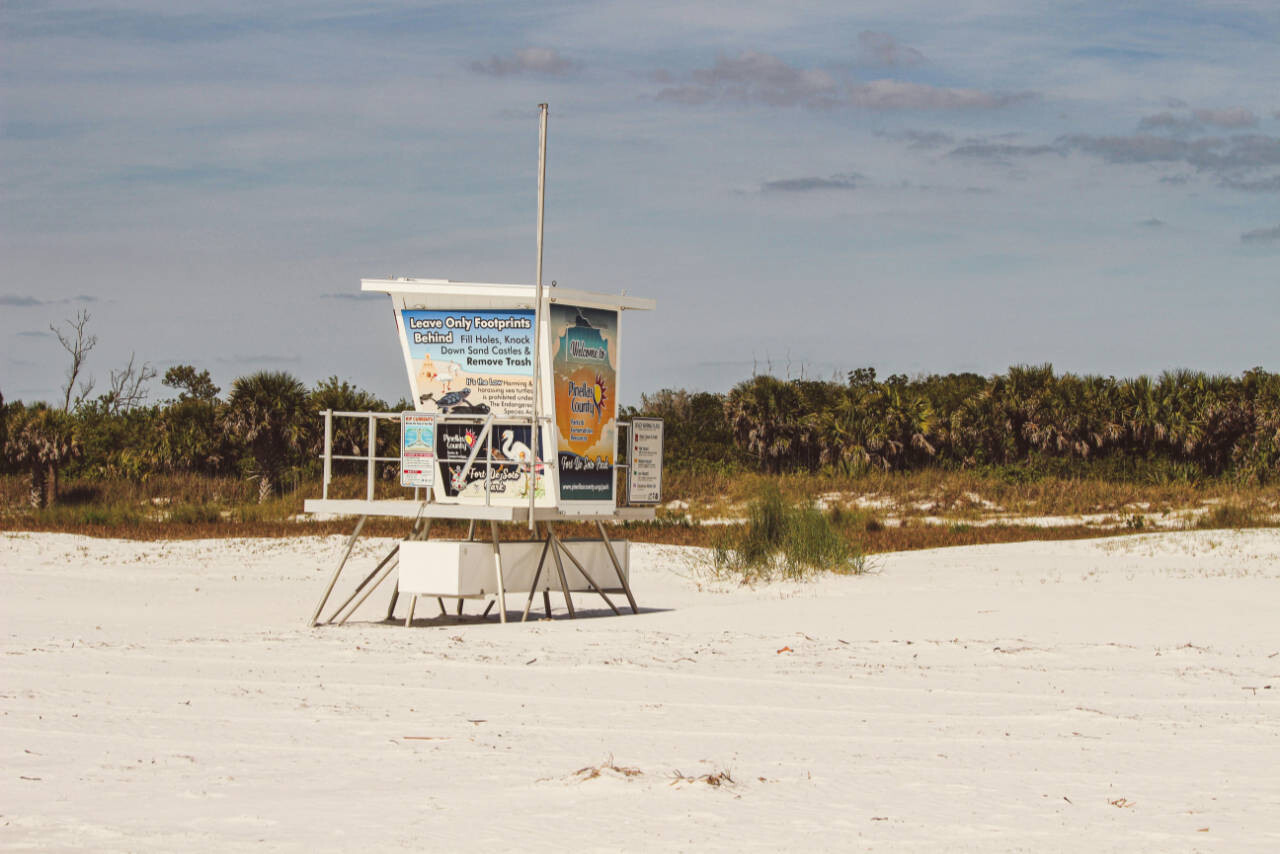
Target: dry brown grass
[
  {"x": 194, "y": 507},
  {"x": 952, "y": 493}
]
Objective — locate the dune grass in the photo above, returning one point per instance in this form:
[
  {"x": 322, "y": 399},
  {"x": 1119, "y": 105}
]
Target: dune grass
[
  {"x": 875, "y": 512},
  {"x": 786, "y": 538}
]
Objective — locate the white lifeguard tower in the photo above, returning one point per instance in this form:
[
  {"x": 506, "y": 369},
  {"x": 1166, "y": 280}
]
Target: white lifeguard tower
[{"x": 515, "y": 391}]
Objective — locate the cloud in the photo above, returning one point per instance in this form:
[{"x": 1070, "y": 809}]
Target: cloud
[
  {"x": 1000, "y": 151},
  {"x": 1270, "y": 184},
  {"x": 884, "y": 51},
  {"x": 19, "y": 301},
  {"x": 1168, "y": 121},
  {"x": 1234, "y": 161},
  {"x": 1230, "y": 117},
  {"x": 1241, "y": 153},
  {"x": 358, "y": 296},
  {"x": 1261, "y": 235},
  {"x": 1138, "y": 148},
  {"x": 901, "y": 95},
  {"x": 543, "y": 61},
  {"x": 1152, "y": 223},
  {"x": 137, "y": 25},
  {"x": 851, "y": 181},
  {"x": 753, "y": 77},
  {"x": 920, "y": 139}
]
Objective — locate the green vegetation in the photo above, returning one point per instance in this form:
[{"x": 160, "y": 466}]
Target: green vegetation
[
  {"x": 1024, "y": 425},
  {"x": 899, "y": 463},
  {"x": 784, "y": 538}
]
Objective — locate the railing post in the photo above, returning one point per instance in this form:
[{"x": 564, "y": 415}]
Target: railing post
[
  {"x": 373, "y": 441},
  {"x": 328, "y": 453}
]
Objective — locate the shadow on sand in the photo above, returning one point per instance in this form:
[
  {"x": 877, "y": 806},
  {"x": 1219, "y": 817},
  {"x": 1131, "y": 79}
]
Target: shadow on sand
[{"x": 536, "y": 615}]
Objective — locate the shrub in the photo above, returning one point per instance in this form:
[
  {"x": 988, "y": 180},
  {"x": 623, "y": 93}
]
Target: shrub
[
  {"x": 1233, "y": 516},
  {"x": 785, "y": 538},
  {"x": 194, "y": 514}
]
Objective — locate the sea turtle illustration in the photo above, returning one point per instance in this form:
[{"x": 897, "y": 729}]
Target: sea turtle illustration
[{"x": 448, "y": 401}]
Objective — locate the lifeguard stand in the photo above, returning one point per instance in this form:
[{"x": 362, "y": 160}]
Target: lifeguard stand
[{"x": 515, "y": 422}]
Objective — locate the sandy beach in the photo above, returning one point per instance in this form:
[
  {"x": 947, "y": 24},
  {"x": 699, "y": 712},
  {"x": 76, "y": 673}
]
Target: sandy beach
[{"x": 1097, "y": 695}]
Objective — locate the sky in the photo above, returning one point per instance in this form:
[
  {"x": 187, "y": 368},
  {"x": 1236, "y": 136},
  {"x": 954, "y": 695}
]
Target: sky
[{"x": 804, "y": 188}]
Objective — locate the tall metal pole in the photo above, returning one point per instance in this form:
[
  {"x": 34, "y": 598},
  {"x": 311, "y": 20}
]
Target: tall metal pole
[{"x": 537, "y": 313}]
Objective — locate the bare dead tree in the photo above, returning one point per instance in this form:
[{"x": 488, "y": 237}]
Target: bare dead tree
[
  {"x": 78, "y": 344},
  {"x": 128, "y": 386}
]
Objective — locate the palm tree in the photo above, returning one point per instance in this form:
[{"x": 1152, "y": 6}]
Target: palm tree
[
  {"x": 350, "y": 436},
  {"x": 908, "y": 421},
  {"x": 269, "y": 412},
  {"x": 851, "y": 431},
  {"x": 762, "y": 413},
  {"x": 41, "y": 440}
]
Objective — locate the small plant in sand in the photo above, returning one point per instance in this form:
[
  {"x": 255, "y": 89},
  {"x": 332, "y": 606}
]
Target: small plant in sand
[
  {"x": 784, "y": 538},
  {"x": 607, "y": 768},
  {"x": 715, "y": 779}
]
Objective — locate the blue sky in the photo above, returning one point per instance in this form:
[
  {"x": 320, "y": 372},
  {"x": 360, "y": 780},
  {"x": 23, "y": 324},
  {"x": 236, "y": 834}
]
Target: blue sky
[{"x": 806, "y": 188}]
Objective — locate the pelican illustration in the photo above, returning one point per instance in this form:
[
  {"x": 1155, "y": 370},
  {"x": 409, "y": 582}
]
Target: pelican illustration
[
  {"x": 513, "y": 450},
  {"x": 448, "y": 375}
]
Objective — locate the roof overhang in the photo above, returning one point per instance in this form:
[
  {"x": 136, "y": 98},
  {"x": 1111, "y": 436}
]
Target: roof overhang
[{"x": 443, "y": 293}]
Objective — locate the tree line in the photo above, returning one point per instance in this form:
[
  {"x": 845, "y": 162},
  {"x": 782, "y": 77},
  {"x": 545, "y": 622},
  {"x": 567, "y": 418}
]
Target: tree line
[
  {"x": 267, "y": 427},
  {"x": 1027, "y": 422}
]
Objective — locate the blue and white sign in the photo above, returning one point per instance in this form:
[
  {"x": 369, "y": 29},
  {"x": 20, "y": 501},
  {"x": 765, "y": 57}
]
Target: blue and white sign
[{"x": 417, "y": 449}]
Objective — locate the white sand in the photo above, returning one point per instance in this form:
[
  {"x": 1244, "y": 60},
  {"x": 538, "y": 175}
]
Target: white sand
[{"x": 1114, "y": 695}]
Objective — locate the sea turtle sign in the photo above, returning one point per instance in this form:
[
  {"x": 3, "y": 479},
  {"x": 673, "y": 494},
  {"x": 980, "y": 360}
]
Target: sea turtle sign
[
  {"x": 585, "y": 372},
  {"x": 471, "y": 361}
]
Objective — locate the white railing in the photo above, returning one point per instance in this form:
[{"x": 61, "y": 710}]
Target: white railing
[{"x": 370, "y": 458}]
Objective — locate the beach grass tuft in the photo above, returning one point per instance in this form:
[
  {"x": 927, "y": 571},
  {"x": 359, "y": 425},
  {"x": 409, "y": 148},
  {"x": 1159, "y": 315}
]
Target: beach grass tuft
[{"x": 787, "y": 538}]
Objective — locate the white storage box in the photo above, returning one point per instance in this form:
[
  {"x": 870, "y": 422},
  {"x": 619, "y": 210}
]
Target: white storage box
[{"x": 464, "y": 568}]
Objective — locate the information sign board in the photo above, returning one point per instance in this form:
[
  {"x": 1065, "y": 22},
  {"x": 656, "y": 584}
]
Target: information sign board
[
  {"x": 417, "y": 449},
  {"x": 644, "y": 477},
  {"x": 470, "y": 361}
]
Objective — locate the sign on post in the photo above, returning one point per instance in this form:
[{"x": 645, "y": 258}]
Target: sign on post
[
  {"x": 417, "y": 449},
  {"x": 644, "y": 477}
]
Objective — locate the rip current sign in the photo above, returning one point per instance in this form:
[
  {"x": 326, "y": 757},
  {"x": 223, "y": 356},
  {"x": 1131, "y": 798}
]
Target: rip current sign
[{"x": 417, "y": 449}]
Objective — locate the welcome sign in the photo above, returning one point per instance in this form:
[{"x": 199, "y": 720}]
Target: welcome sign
[{"x": 585, "y": 374}]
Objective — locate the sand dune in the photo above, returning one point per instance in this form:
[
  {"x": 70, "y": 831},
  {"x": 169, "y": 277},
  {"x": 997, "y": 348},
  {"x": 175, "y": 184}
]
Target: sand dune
[{"x": 1110, "y": 695}]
